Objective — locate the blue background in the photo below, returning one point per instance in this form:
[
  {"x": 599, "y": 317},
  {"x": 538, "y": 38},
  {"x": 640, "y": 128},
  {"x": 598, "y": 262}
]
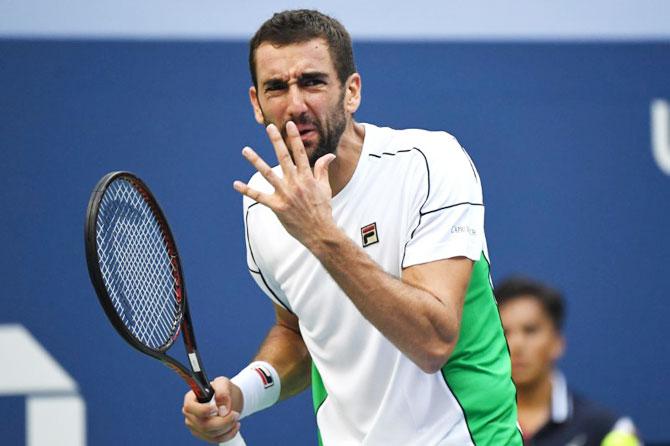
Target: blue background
[{"x": 560, "y": 133}]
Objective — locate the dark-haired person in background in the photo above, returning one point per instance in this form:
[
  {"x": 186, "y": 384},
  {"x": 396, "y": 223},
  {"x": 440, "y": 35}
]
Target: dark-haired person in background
[
  {"x": 550, "y": 414},
  {"x": 369, "y": 241}
]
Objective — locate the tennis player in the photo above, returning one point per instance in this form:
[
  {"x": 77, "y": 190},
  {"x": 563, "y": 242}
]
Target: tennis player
[{"x": 370, "y": 243}]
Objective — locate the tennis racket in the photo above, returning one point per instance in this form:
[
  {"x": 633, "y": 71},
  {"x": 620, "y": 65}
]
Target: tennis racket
[{"x": 134, "y": 266}]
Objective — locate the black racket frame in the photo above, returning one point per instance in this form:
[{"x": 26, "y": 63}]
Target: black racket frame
[{"x": 197, "y": 380}]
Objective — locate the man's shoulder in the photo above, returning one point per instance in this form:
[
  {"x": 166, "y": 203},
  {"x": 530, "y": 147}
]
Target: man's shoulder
[
  {"x": 592, "y": 412},
  {"x": 432, "y": 141},
  {"x": 436, "y": 151},
  {"x": 433, "y": 158}
]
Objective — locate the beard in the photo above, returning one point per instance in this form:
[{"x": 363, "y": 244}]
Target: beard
[{"x": 329, "y": 133}]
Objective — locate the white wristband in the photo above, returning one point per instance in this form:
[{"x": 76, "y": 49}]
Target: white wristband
[{"x": 260, "y": 386}]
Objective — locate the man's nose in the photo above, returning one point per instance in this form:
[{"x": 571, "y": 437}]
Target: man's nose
[{"x": 296, "y": 101}]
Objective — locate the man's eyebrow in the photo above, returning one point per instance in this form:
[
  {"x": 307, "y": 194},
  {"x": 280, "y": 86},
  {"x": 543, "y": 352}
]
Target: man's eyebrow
[
  {"x": 313, "y": 75},
  {"x": 279, "y": 82},
  {"x": 274, "y": 82}
]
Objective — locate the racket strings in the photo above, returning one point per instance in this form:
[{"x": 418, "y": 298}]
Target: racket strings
[{"x": 136, "y": 266}]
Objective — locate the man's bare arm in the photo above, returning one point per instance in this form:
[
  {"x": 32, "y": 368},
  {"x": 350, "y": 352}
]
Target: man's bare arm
[
  {"x": 285, "y": 349},
  {"x": 420, "y": 314}
]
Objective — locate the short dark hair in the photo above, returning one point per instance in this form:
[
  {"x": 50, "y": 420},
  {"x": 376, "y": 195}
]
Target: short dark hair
[
  {"x": 518, "y": 286},
  {"x": 302, "y": 25}
]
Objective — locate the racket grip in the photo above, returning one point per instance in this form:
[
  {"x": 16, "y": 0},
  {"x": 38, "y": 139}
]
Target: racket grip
[{"x": 237, "y": 440}]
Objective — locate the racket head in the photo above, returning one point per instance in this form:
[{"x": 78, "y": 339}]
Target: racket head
[
  {"x": 133, "y": 263},
  {"x": 134, "y": 266}
]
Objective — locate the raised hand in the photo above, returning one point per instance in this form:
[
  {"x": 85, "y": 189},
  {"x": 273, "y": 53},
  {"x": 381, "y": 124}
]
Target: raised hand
[{"x": 301, "y": 199}]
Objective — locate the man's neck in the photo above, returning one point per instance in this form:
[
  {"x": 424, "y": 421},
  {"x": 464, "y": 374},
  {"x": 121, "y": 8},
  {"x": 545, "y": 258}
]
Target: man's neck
[
  {"x": 535, "y": 394},
  {"x": 534, "y": 404},
  {"x": 348, "y": 154}
]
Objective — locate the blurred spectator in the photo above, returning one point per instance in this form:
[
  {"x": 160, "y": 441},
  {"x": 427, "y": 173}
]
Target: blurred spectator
[{"x": 550, "y": 414}]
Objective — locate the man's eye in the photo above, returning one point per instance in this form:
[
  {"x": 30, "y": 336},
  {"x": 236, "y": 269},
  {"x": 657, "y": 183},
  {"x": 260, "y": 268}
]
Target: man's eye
[
  {"x": 312, "y": 82},
  {"x": 531, "y": 329},
  {"x": 274, "y": 87}
]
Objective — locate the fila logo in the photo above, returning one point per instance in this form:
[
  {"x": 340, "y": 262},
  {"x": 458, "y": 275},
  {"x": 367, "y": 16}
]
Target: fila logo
[
  {"x": 266, "y": 377},
  {"x": 369, "y": 234}
]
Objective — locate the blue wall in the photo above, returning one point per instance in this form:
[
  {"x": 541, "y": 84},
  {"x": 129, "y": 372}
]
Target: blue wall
[{"x": 560, "y": 133}]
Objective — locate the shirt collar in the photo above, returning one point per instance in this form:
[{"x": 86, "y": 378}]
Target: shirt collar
[{"x": 561, "y": 400}]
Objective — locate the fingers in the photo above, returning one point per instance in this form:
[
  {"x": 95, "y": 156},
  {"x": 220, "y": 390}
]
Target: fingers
[
  {"x": 214, "y": 428},
  {"x": 255, "y": 195},
  {"x": 196, "y": 409},
  {"x": 281, "y": 150},
  {"x": 209, "y": 422},
  {"x": 297, "y": 147},
  {"x": 264, "y": 170},
  {"x": 282, "y": 186},
  {"x": 321, "y": 167},
  {"x": 229, "y": 435},
  {"x": 283, "y": 156},
  {"x": 262, "y": 167},
  {"x": 222, "y": 401}
]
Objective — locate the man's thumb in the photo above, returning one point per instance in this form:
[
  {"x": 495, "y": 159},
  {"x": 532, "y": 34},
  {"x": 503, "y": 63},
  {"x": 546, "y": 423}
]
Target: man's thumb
[{"x": 321, "y": 166}]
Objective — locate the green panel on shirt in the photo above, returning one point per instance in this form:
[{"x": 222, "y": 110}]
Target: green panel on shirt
[
  {"x": 478, "y": 371},
  {"x": 319, "y": 394}
]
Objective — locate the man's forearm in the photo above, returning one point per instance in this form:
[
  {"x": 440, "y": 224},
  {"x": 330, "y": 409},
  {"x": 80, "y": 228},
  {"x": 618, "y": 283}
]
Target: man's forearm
[
  {"x": 415, "y": 320},
  {"x": 284, "y": 348}
]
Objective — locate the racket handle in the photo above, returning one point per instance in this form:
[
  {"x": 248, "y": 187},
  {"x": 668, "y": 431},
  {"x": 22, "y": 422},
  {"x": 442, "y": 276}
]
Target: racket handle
[{"x": 237, "y": 440}]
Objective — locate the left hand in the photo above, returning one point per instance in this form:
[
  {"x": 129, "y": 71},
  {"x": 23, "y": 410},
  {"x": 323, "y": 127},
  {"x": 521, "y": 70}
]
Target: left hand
[{"x": 301, "y": 199}]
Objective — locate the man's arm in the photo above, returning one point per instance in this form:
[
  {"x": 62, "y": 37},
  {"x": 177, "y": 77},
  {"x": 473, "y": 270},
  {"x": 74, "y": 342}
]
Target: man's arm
[
  {"x": 284, "y": 349},
  {"x": 420, "y": 314}
]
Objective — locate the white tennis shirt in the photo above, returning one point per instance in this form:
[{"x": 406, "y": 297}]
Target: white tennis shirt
[{"x": 414, "y": 197}]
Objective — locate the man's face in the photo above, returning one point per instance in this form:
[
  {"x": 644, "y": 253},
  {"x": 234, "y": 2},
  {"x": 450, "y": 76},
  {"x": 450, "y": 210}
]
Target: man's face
[
  {"x": 298, "y": 83},
  {"x": 534, "y": 342}
]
